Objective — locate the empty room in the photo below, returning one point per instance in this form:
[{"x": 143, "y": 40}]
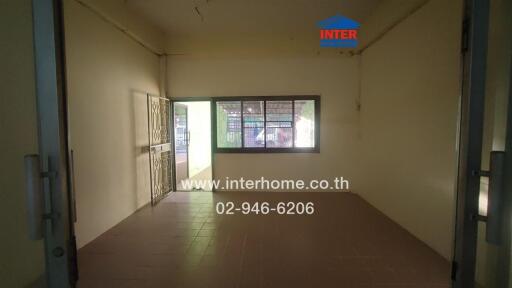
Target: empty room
[{"x": 244, "y": 143}]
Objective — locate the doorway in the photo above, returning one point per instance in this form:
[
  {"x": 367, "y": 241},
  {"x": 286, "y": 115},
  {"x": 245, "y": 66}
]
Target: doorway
[{"x": 192, "y": 145}]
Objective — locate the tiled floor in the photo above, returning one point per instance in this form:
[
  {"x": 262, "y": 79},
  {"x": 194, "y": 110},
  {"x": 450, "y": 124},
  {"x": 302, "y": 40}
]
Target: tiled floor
[{"x": 182, "y": 242}]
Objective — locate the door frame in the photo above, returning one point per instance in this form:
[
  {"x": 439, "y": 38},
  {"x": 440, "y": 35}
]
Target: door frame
[
  {"x": 53, "y": 136},
  {"x": 212, "y": 129},
  {"x": 470, "y": 133},
  {"x": 175, "y": 174},
  {"x": 503, "y": 273}
]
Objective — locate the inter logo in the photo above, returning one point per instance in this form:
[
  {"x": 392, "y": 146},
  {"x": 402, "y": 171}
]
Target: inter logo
[{"x": 338, "y": 32}]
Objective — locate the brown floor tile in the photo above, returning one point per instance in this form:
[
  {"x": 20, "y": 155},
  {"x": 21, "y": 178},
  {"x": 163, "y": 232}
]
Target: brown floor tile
[{"x": 182, "y": 242}]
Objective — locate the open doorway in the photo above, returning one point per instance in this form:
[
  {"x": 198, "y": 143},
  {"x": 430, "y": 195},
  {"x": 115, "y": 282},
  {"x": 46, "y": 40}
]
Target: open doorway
[{"x": 192, "y": 144}]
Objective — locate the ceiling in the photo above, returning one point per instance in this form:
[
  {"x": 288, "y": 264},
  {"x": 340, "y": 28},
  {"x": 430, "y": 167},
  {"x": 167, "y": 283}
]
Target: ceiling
[{"x": 249, "y": 17}]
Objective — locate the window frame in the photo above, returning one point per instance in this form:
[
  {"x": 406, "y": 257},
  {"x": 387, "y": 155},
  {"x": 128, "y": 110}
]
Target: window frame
[{"x": 293, "y": 149}]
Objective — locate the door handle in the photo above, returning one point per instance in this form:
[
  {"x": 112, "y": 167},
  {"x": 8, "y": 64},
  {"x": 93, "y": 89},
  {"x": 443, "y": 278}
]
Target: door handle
[
  {"x": 35, "y": 196},
  {"x": 39, "y": 211},
  {"x": 494, "y": 202},
  {"x": 494, "y": 218}
]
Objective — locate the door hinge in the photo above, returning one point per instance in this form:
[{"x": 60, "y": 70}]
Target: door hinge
[{"x": 455, "y": 267}]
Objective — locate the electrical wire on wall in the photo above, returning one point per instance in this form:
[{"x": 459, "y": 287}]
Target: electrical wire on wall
[{"x": 197, "y": 9}]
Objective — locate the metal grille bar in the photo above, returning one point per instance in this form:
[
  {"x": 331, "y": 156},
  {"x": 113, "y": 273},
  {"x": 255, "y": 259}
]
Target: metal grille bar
[{"x": 160, "y": 147}]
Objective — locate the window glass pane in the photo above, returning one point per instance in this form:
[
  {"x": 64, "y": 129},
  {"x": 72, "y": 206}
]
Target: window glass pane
[
  {"x": 279, "y": 124},
  {"x": 180, "y": 128},
  {"x": 229, "y": 129},
  {"x": 305, "y": 123},
  {"x": 254, "y": 124}
]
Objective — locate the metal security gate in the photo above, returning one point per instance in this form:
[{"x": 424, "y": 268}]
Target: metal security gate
[{"x": 160, "y": 147}]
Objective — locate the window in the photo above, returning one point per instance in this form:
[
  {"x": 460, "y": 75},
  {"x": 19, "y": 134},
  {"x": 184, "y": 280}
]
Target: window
[
  {"x": 267, "y": 124},
  {"x": 254, "y": 124},
  {"x": 229, "y": 128}
]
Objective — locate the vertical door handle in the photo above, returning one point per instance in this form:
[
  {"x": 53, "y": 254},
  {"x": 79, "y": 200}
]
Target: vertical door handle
[
  {"x": 494, "y": 218},
  {"x": 35, "y": 196},
  {"x": 495, "y": 198}
]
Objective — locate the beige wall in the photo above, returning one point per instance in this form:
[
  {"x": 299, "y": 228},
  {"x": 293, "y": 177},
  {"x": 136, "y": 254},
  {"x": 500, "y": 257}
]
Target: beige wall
[
  {"x": 108, "y": 74},
  {"x": 332, "y": 77},
  {"x": 21, "y": 260},
  {"x": 410, "y": 90},
  {"x": 118, "y": 12},
  {"x": 382, "y": 18}
]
